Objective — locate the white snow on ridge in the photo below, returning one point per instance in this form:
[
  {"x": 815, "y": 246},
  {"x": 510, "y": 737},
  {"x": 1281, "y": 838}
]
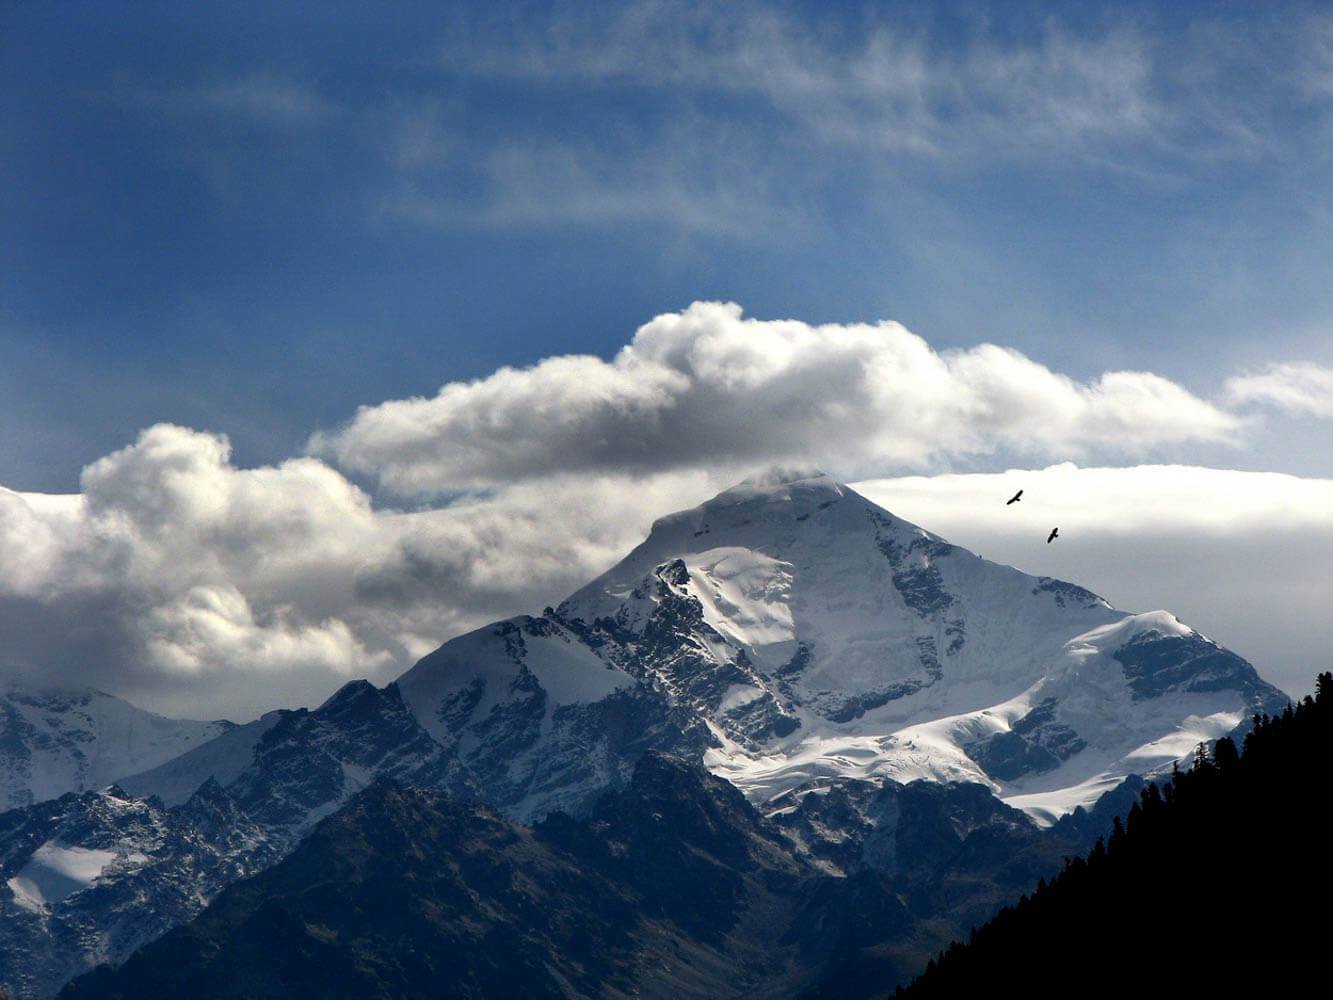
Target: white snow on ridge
[
  {"x": 54, "y": 741},
  {"x": 223, "y": 758},
  {"x": 915, "y": 652},
  {"x": 492, "y": 659},
  {"x": 55, "y": 871}
]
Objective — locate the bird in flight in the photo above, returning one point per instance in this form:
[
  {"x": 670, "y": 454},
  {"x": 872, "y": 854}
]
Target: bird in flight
[
  {"x": 1016, "y": 497},
  {"x": 1055, "y": 533}
]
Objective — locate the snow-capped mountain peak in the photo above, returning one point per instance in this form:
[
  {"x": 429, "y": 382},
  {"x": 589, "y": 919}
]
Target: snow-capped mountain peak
[
  {"x": 796, "y": 629},
  {"x": 794, "y": 637},
  {"x": 786, "y": 630},
  {"x": 55, "y": 740}
]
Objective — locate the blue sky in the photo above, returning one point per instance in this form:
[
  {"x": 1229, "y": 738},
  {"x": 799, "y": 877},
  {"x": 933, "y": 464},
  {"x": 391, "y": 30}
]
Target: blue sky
[
  {"x": 254, "y": 220},
  {"x": 328, "y": 331}
]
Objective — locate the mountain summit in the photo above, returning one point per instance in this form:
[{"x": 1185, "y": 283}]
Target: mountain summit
[{"x": 791, "y": 631}]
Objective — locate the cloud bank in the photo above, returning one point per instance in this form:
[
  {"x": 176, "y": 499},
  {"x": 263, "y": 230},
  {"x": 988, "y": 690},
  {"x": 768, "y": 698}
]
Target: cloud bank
[
  {"x": 200, "y": 588},
  {"x": 1244, "y": 557},
  {"x": 1301, "y": 388},
  {"x": 708, "y": 387}
]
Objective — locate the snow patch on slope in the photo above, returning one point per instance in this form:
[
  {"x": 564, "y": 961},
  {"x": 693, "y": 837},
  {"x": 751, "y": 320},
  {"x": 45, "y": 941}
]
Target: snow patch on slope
[{"x": 55, "y": 871}]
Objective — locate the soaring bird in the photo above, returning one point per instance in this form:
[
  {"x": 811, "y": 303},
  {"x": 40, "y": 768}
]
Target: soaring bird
[
  {"x": 1017, "y": 497},
  {"x": 1055, "y": 533}
]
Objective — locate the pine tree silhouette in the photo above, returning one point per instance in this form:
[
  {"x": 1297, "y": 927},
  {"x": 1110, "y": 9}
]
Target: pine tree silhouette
[{"x": 1216, "y": 879}]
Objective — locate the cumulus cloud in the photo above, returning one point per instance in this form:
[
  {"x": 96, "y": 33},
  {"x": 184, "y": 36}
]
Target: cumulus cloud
[
  {"x": 708, "y": 388},
  {"x": 201, "y": 588},
  {"x": 1298, "y": 387},
  {"x": 1245, "y": 557}
]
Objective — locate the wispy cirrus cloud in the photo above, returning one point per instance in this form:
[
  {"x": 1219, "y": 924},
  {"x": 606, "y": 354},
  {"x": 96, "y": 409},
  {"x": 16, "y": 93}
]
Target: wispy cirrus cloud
[
  {"x": 1296, "y": 387},
  {"x": 873, "y": 80},
  {"x": 706, "y": 118},
  {"x": 705, "y": 179},
  {"x": 710, "y": 119},
  {"x": 256, "y": 96},
  {"x": 737, "y": 121}
]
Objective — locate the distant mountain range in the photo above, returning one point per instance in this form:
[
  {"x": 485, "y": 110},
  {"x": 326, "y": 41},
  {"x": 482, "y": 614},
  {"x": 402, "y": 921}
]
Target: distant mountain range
[
  {"x": 55, "y": 740},
  {"x": 795, "y": 639}
]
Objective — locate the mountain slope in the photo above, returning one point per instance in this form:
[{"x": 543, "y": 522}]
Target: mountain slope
[
  {"x": 673, "y": 886},
  {"x": 1221, "y": 876},
  {"x": 801, "y": 642},
  {"x": 793, "y": 630},
  {"x": 93, "y": 876},
  {"x": 55, "y": 740},
  {"x": 89, "y": 878}
]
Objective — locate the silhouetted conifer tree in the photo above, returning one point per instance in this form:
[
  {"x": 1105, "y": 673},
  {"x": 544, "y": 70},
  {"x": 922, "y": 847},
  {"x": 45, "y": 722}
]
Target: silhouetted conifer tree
[{"x": 1218, "y": 875}]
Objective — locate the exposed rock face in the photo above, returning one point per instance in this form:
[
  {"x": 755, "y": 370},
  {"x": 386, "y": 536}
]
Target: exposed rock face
[
  {"x": 92, "y": 877},
  {"x": 674, "y": 886}
]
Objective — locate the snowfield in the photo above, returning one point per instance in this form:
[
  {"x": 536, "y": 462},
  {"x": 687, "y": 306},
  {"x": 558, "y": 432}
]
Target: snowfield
[{"x": 53, "y": 872}]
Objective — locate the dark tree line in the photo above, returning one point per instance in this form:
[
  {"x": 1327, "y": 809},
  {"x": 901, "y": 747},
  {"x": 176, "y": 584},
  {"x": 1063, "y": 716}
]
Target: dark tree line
[{"x": 1217, "y": 881}]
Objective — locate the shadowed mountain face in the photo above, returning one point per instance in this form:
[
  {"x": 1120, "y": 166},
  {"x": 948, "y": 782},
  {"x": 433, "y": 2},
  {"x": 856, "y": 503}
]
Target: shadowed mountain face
[
  {"x": 91, "y": 877},
  {"x": 673, "y": 887},
  {"x": 99, "y": 874}
]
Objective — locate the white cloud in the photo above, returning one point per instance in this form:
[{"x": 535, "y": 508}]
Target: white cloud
[
  {"x": 201, "y": 588},
  {"x": 863, "y": 80},
  {"x": 736, "y": 121},
  {"x": 1298, "y": 387},
  {"x": 707, "y": 388},
  {"x": 1245, "y": 557},
  {"x": 256, "y": 97}
]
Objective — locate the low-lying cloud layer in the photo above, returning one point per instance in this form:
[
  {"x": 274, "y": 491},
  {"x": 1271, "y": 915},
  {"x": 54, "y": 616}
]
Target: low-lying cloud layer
[
  {"x": 707, "y": 387},
  {"x": 202, "y": 589},
  {"x": 199, "y": 588},
  {"x": 1244, "y": 557}
]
